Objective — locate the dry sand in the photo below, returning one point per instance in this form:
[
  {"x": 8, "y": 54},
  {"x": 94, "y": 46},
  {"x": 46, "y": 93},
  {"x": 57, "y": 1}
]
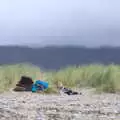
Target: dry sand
[{"x": 34, "y": 106}]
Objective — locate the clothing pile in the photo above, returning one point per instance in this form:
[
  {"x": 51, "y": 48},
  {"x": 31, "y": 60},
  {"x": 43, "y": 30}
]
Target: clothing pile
[
  {"x": 24, "y": 84},
  {"x": 27, "y": 84}
]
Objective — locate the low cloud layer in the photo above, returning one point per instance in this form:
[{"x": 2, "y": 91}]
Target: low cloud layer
[{"x": 45, "y": 22}]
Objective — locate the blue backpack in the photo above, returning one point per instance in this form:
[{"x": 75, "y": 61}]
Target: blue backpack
[{"x": 37, "y": 84}]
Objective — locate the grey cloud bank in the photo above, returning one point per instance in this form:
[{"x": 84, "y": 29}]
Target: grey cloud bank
[{"x": 44, "y": 22}]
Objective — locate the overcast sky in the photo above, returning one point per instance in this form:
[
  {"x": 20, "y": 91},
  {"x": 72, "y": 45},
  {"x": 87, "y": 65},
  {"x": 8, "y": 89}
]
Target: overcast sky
[{"x": 43, "y": 22}]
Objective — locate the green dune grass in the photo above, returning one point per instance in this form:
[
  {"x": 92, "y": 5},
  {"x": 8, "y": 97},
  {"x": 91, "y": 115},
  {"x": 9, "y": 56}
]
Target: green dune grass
[{"x": 103, "y": 78}]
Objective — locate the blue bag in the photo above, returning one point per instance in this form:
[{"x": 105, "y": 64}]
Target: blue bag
[{"x": 36, "y": 87}]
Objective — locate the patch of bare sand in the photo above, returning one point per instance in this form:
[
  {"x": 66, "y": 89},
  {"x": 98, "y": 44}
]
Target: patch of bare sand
[{"x": 33, "y": 106}]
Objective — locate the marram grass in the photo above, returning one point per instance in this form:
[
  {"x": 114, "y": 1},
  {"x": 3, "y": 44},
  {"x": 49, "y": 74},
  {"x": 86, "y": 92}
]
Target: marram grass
[{"x": 103, "y": 78}]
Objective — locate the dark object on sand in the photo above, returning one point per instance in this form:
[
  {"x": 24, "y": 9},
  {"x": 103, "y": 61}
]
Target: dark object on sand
[
  {"x": 25, "y": 84},
  {"x": 68, "y": 91}
]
